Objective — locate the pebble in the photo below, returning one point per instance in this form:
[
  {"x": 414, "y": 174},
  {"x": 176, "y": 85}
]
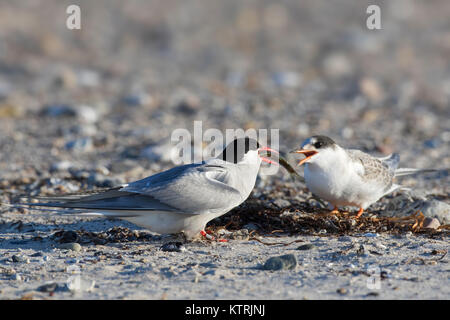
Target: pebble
[
  {"x": 59, "y": 110},
  {"x": 372, "y": 89},
  {"x": 281, "y": 203},
  {"x": 100, "y": 180},
  {"x": 337, "y": 65},
  {"x": 61, "y": 166},
  {"x": 437, "y": 209},
  {"x": 71, "y": 246},
  {"x": 69, "y": 236},
  {"x": 373, "y": 294},
  {"x": 162, "y": 152},
  {"x": 251, "y": 226},
  {"x": 86, "y": 114},
  {"x": 80, "y": 145},
  {"x": 7, "y": 271},
  {"x": 431, "y": 223},
  {"x": 307, "y": 246},
  {"x": 48, "y": 287},
  {"x": 17, "y": 277},
  {"x": 370, "y": 235},
  {"x": 286, "y": 79},
  {"x": 85, "y": 130},
  {"x": 345, "y": 239},
  {"x": 219, "y": 273},
  {"x": 285, "y": 262},
  {"x": 173, "y": 247},
  {"x": 241, "y": 234},
  {"x": 88, "y": 78},
  {"x": 361, "y": 250},
  {"x": 138, "y": 99},
  {"x": 78, "y": 284},
  {"x": 21, "y": 259},
  {"x": 37, "y": 254},
  {"x": 342, "y": 291}
]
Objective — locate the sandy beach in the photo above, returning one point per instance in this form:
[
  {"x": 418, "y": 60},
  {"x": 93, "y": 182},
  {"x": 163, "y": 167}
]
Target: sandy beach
[{"x": 96, "y": 107}]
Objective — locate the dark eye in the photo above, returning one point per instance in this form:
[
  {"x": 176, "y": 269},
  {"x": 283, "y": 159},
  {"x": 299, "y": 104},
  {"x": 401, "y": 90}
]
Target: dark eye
[{"x": 318, "y": 144}]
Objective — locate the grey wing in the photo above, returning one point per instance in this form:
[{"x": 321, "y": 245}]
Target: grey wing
[
  {"x": 113, "y": 199},
  {"x": 373, "y": 169},
  {"x": 192, "y": 189},
  {"x": 391, "y": 161}
]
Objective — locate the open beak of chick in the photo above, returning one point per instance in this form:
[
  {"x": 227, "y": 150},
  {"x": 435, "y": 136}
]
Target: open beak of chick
[{"x": 307, "y": 153}]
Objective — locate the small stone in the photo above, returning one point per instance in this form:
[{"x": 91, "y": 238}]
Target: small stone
[
  {"x": 431, "y": 223},
  {"x": 99, "y": 180},
  {"x": 337, "y": 65},
  {"x": 162, "y": 152},
  {"x": 16, "y": 258},
  {"x": 241, "y": 234},
  {"x": 7, "y": 271},
  {"x": 86, "y": 114},
  {"x": 286, "y": 79},
  {"x": 37, "y": 254},
  {"x": 281, "y": 203},
  {"x": 139, "y": 99},
  {"x": 59, "y": 111},
  {"x": 69, "y": 236},
  {"x": 88, "y": 78},
  {"x": 432, "y": 143},
  {"x": 80, "y": 145},
  {"x": 373, "y": 294},
  {"x": 345, "y": 239},
  {"x": 219, "y": 273},
  {"x": 307, "y": 246},
  {"x": 251, "y": 226},
  {"x": 285, "y": 262},
  {"x": 173, "y": 247},
  {"x": 85, "y": 130},
  {"x": 370, "y": 235},
  {"x": 361, "y": 250},
  {"x": 71, "y": 246},
  {"x": 437, "y": 209},
  {"x": 17, "y": 277},
  {"x": 78, "y": 284},
  {"x": 342, "y": 291},
  {"x": 371, "y": 89},
  {"x": 48, "y": 287},
  {"x": 61, "y": 166},
  {"x": 188, "y": 104}
]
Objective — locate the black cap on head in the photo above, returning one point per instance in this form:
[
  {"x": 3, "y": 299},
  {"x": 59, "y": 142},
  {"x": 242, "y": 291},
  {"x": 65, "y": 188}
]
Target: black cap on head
[
  {"x": 235, "y": 151},
  {"x": 320, "y": 142}
]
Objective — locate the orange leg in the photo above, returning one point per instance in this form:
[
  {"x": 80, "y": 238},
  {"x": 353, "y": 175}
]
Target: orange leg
[
  {"x": 360, "y": 212},
  {"x": 207, "y": 236}
]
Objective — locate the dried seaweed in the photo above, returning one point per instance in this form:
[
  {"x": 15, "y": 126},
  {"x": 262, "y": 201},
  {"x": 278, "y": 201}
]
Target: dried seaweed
[{"x": 309, "y": 220}]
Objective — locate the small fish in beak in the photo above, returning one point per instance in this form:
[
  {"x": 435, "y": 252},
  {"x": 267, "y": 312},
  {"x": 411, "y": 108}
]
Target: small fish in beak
[{"x": 269, "y": 152}]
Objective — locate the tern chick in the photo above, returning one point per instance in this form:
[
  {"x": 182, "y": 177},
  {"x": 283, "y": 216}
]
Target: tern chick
[{"x": 348, "y": 177}]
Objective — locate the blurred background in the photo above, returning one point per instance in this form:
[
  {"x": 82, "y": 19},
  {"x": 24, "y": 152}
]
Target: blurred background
[{"x": 98, "y": 105}]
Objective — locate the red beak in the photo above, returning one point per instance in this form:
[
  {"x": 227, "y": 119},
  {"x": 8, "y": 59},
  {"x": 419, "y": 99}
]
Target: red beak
[
  {"x": 308, "y": 154},
  {"x": 267, "y": 159}
]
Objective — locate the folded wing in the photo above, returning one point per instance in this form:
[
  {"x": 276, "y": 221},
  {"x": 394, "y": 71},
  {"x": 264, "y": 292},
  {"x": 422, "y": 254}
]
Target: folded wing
[{"x": 190, "y": 189}]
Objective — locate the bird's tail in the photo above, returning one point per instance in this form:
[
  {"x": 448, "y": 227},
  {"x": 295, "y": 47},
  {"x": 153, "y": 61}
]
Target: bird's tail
[
  {"x": 408, "y": 171},
  {"x": 36, "y": 207}
]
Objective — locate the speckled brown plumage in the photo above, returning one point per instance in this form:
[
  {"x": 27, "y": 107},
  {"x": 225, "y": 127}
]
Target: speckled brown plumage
[{"x": 374, "y": 169}]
